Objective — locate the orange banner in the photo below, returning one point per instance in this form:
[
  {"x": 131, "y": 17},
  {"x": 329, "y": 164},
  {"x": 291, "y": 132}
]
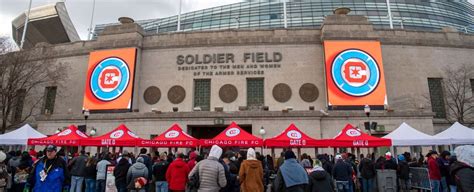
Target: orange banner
[
  {"x": 354, "y": 73},
  {"x": 109, "y": 82}
]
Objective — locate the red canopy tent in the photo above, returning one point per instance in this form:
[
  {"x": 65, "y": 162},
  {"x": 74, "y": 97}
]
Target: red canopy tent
[
  {"x": 120, "y": 136},
  {"x": 293, "y": 137},
  {"x": 233, "y": 136},
  {"x": 353, "y": 137},
  {"x": 68, "y": 137},
  {"x": 173, "y": 137}
]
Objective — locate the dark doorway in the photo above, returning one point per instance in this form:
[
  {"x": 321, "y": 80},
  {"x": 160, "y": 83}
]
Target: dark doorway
[{"x": 210, "y": 131}]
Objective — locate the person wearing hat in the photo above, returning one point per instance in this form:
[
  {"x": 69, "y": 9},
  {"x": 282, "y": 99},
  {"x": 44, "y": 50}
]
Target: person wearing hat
[
  {"x": 251, "y": 173},
  {"x": 211, "y": 172},
  {"x": 463, "y": 169},
  {"x": 342, "y": 173},
  {"x": 291, "y": 176},
  {"x": 49, "y": 173},
  {"x": 433, "y": 170},
  {"x": 137, "y": 170},
  {"x": 120, "y": 172},
  {"x": 403, "y": 173},
  {"x": 319, "y": 179}
]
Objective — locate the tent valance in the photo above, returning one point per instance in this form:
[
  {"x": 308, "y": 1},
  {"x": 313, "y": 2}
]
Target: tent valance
[
  {"x": 293, "y": 137},
  {"x": 353, "y": 137},
  {"x": 173, "y": 137},
  {"x": 233, "y": 136},
  {"x": 68, "y": 137},
  {"x": 120, "y": 136}
]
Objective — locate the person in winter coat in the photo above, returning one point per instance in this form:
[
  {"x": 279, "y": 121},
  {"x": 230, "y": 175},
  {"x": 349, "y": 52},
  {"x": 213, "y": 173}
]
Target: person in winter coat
[
  {"x": 192, "y": 160},
  {"x": 91, "y": 175},
  {"x": 3, "y": 172},
  {"x": 280, "y": 161},
  {"x": 451, "y": 181},
  {"x": 147, "y": 161},
  {"x": 342, "y": 173},
  {"x": 102, "y": 171},
  {"x": 138, "y": 169},
  {"x": 22, "y": 172},
  {"x": 50, "y": 173},
  {"x": 251, "y": 173},
  {"x": 78, "y": 167},
  {"x": 305, "y": 161},
  {"x": 291, "y": 176},
  {"x": 433, "y": 170},
  {"x": 367, "y": 173},
  {"x": 463, "y": 169},
  {"x": 319, "y": 179},
  {"x": 120, "y": 173},
  {"x": 403, "y": 173},
  {"x": 211, "y": 172},
  {"x": 177, "y": 173},
  {"x": 443, "y": 164},
  {"x": 231, "y": 173},
  {"x": 159, "y": 172}
]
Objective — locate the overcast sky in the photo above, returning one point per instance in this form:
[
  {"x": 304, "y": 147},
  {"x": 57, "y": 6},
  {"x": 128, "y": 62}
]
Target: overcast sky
[{"x": 107, "y": 11}]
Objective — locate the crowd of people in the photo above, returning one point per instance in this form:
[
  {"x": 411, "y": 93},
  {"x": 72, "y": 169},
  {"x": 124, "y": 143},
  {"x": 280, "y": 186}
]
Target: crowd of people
[{"x": 229, "y": 171}]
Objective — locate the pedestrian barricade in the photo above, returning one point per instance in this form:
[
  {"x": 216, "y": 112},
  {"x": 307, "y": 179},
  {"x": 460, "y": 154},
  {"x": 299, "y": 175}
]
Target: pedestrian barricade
[
  {"x": 386, "y": 180},
  {"x": 419, "y": 178}
]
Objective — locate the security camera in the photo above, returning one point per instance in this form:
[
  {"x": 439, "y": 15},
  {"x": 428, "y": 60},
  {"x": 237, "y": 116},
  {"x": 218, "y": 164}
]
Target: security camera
[{"x": 324, "y": 112}]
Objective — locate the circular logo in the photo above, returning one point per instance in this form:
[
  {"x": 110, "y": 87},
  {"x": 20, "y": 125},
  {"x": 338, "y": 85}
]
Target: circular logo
[
  {"x": 232, "y": 132},
  {"x": 293, "y": 134},
  {"x": 109, "y": 79},
  {"x": 353, "y": 132},
  {"x": 132, "y": 134},
  {"x": 65, "y": 132},
  {"x": 172, "y": 134},
  {"x": 116, "y": 134},
  {"x": 355, "y": 72},
  {"x": 80, "y": 133}
]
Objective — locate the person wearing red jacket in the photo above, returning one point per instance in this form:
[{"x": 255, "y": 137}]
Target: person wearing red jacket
[
  {"x": 177, "y": 174},
  {"x": 192, "y": 160},
  {"x": 433, "y": 170}
]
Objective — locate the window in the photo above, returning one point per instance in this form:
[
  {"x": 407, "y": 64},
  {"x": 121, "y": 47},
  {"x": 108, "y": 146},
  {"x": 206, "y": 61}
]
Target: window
[
  {"x": 255, "y": 92},
  {"x": 437, "y": 97},
  {"x": 202, "y": 94},
  {"x": 49, "y": 98},
  {"x": 20, "y": 100},
  {"x": 472, "y": 86}
]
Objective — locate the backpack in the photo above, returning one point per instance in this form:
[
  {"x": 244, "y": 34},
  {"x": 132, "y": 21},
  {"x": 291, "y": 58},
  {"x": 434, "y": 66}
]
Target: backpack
[{"x": 193, "y": 183}]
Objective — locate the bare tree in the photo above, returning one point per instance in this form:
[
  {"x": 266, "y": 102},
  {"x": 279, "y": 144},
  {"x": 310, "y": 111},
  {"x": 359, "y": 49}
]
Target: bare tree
[
  {"x": 23, "y": 76},
  {"x": 459, "y": 96}
]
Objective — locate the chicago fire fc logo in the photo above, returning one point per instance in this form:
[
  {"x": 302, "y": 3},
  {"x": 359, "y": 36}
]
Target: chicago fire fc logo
[
  {"x": 109, "y": 79},
  {"x": 355, "y": 72}
]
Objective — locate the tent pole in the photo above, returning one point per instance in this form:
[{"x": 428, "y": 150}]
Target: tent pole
[{"x": 315, "y": 152}]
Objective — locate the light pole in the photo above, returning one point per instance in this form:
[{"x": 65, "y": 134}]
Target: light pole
[
  {"x": 86, "y": 116},
  {"x": 93, "y": 131},
  {"x": 262, "y": 133}
]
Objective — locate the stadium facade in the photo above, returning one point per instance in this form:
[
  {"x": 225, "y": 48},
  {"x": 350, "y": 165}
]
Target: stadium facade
[
  {"x": 319, "y": 78},
  {"x": 424, "y": 15}
]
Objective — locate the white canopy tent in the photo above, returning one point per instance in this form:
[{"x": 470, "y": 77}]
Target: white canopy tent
[
  {"x": 458, "y": 134},
  {"x": 20, "y": 136},
  {"x": 405, "y": 135}
]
